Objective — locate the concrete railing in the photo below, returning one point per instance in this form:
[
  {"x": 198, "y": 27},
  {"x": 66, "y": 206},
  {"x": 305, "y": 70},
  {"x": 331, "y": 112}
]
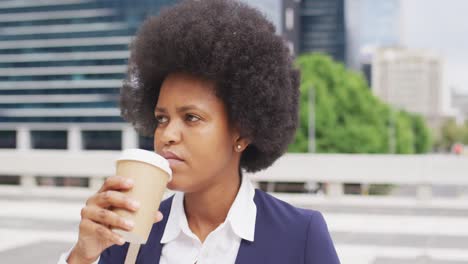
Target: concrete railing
[{"x": 422, "y": 171}]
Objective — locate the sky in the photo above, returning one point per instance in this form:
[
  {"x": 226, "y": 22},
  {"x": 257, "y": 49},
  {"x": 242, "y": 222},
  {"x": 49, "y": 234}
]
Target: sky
[{"x": 440, "y": 26}]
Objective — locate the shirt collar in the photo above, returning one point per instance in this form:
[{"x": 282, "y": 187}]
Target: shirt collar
[
  {"x": 243, "y": 212},
  {"x": 241, "y": 216}
]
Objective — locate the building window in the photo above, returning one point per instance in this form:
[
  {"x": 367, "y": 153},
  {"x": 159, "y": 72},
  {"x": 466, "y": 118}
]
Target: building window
[
  {"x": 49, "y": 139},
  {"x": 102, "y": 139},
  {"x": 10, "y": 180},
  {"x": 8, "y": 139},
  {"x": 62, "y": 181},
  {"x": 289, "y": 17}
]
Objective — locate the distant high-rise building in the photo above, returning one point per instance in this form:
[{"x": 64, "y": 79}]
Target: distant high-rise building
[
  {"x": 370, "y": 24},
  {"x": 62, "y": 63},
  {"x": 323, "y": 28},
  {"x": 410, "y": 80},
  {"x": 460, "y": 103}
]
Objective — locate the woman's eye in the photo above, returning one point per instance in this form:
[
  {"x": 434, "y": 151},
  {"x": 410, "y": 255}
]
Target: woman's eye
[
  {"x": 192, "y": 118},
  {"x": 161, "y": 119}
]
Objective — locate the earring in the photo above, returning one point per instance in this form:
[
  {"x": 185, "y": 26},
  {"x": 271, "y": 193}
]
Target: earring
[{"x": 239, "y": 147}]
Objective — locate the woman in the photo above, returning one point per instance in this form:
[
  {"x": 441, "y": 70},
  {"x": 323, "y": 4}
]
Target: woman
[{"x": 217, "y": 89}]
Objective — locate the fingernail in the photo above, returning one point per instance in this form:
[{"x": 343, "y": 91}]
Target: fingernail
[
  {"x": 135, "y": 204},
  {"x": 129, "y": 181},
  {"x": 129, "y": 223},
  {"x": 121, "y": 240}
]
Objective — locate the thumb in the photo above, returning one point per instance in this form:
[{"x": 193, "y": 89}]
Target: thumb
[{"x": 158, "y": 216}]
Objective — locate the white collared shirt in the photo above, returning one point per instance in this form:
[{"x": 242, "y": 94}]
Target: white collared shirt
[{"x": 181, "y": 246}]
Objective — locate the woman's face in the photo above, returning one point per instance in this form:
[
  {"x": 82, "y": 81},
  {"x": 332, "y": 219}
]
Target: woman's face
[{"x": 193, "y": 125}]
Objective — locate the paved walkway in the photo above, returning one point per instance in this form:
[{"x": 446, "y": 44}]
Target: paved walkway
[{"x": 37, "y": 230}]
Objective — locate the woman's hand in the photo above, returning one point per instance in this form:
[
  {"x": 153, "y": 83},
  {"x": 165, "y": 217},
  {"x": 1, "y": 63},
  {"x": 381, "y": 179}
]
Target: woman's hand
[{"x": 97, "y": 219}]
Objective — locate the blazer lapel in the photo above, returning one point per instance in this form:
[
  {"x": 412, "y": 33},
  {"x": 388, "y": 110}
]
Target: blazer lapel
[{"x": 246, "y": 252}]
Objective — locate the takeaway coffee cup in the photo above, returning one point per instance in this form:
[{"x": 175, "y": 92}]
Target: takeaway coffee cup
[{"x": 151, "y": 173}]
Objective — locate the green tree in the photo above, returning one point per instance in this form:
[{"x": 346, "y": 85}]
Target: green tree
[
  {"x": 464, "y": 138},
  {"x": 422, "y": 135},
  {"x": 404, "y": 133},
  {"x": 348, "y": 117},
  {"x": 452, "y": 133}
]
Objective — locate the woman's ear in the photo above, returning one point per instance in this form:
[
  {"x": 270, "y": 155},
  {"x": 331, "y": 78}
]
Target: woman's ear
[{"x": 240, "y": 144}]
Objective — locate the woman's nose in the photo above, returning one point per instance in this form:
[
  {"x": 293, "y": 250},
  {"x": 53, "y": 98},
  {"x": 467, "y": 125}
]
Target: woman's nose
[{"x": 171, "y": 133}]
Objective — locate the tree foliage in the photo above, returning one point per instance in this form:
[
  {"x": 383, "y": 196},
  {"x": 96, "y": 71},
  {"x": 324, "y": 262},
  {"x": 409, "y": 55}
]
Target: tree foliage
[
  {"x": 452, "y": 133},
  {"x": 348, "y": 117}
]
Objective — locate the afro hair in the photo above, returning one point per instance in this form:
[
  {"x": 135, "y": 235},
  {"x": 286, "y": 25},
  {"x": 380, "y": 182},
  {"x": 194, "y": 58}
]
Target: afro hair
[{"x": 231, "y": 44}]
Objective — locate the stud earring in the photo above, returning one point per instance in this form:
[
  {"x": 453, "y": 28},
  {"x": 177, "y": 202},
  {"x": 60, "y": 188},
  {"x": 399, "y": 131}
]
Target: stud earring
[{"x": 239, "y": 147}]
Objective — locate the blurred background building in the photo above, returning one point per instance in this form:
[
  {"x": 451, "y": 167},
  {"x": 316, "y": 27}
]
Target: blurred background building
[
  {"x": 370, "y": 24},
  {"x": 322, "y": 27},
  {"x": 62, "y": 63},
  {"x": 460, "y": 102},
  {"x": 409, "y": 80},
  {"x": 375, "y": 29},
  {"x": 61, "y": 67}
]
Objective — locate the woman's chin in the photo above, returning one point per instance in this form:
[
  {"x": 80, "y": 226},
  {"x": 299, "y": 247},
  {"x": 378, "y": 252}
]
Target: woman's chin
[
  {"x": 179, "y": 185},
  {"x": 171, "y": 186},
  {"x": 175, "y": 184}
]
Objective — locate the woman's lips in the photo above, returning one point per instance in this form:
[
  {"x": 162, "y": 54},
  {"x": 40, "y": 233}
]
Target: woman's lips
[
  {"x": 173, "y": 159},
  {"x": 175, "y": 162}
]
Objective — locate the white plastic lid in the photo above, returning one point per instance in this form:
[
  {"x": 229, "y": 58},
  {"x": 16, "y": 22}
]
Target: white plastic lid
[{"x": 146, "y": 156}]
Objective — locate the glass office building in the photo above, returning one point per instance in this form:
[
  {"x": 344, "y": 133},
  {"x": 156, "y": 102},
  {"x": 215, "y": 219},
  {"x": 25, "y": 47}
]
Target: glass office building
[
  {"x": 323, "y": 28},
  {"x": 370, "y": 25},
  {"x": 62, "y": 63}
]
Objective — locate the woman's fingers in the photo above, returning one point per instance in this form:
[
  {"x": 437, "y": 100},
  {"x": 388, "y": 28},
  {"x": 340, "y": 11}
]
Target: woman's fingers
[
  {"x": 106, "y": 218},
  {"x": 104, "y": 233},
  {"x": 114, "y": 199},
  {"x": 116, "y": 183}
]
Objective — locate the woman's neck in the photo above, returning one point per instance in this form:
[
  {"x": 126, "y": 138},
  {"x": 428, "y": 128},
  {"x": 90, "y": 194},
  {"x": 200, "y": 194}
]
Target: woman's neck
[{"x": 207, "y": 209}]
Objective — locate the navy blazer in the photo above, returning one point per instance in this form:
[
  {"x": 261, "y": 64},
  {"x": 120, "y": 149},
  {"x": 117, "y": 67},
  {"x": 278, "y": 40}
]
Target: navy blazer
[{"x": 284, "y": 234}]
